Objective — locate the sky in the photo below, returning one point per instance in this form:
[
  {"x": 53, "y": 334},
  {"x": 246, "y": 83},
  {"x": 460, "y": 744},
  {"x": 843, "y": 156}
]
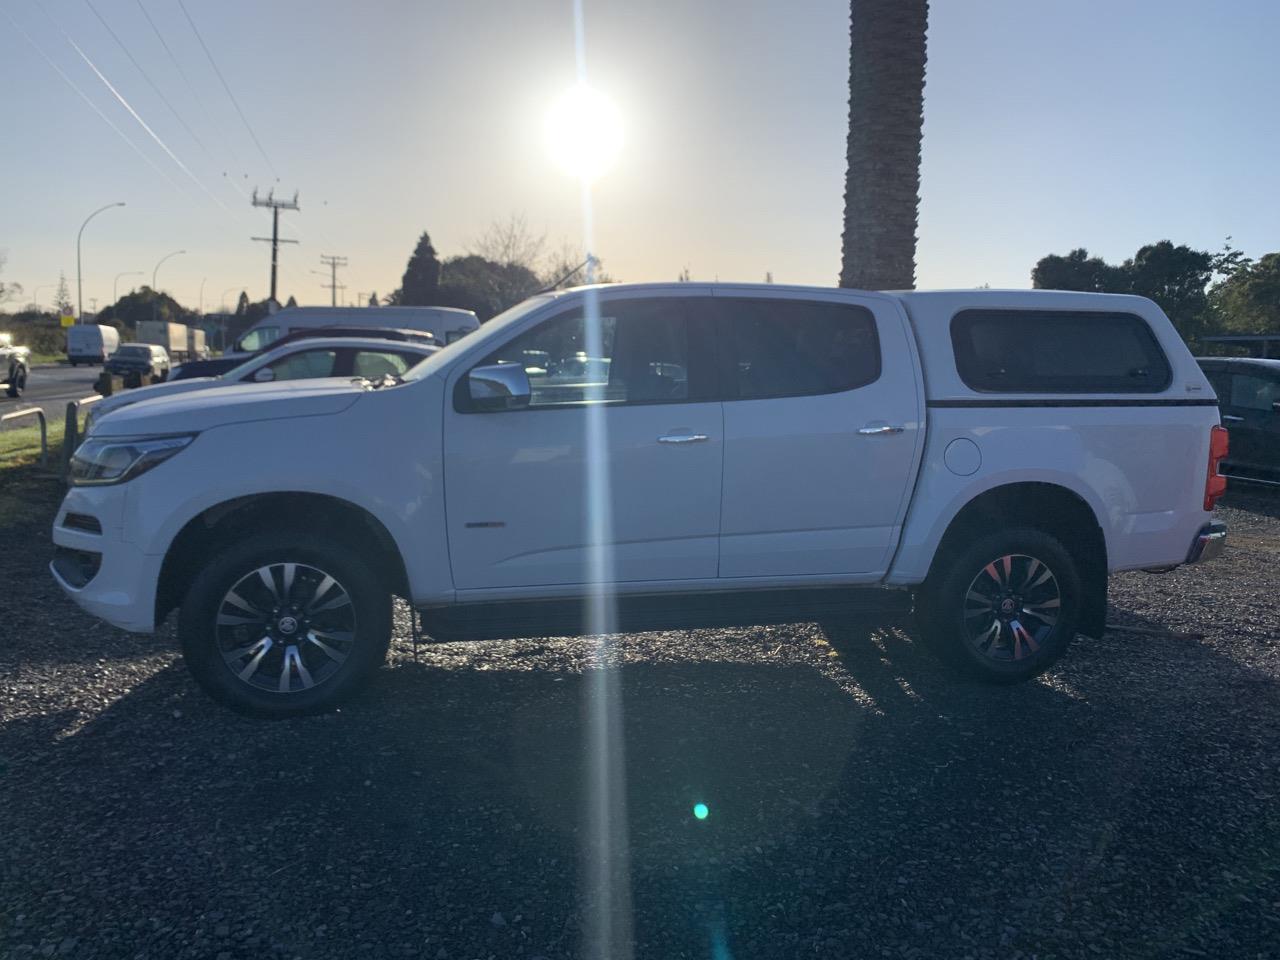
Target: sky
[{"x": 1049, "y": 125}]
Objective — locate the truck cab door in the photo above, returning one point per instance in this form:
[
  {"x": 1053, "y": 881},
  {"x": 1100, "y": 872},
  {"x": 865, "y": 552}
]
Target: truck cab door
[
  {"x": 1253, "y": 422},
  {"x": 617, "y": 445},
  {"x": 823, "y": 417}
]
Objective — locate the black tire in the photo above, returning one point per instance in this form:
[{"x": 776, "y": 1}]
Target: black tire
[
  {"x": 17, "y": 382},
  {"x": 972, "y": 586},
  {"x": 73, "y": 362},
  {"x": 207, "y": 645}
]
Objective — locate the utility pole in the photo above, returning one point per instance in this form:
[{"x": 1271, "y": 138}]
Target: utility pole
[
  {"x": 333, "y": 263},
  {"x": 276, "y": 206}
]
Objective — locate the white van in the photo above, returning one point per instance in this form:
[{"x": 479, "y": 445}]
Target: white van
[
  {"x": 446, "y": 323},
  {"x": 91, "y": 343}
]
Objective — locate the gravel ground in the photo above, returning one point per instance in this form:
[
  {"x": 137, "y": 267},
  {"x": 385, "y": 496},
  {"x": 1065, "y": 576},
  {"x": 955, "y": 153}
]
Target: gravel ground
[{"x": 862, "y": 802}]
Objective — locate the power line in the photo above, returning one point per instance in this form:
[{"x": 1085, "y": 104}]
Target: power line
[
  {"x": 96, "y": 109},
  {"x": 333, "y": 263},
  {"x": 145, "y": 76},
  {"x": 235, "y": 103},
  {"x": 190, "y": 86}
]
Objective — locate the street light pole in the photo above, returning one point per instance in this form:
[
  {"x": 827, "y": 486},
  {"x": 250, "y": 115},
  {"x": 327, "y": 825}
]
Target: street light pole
[
  {"x": 79, "y": 282},
  {"x": 35, "y": 297},
  {"x": 155, "y": 294},
  {"x": 115, "y": 284},
  {"x": 157, "y": 269}
]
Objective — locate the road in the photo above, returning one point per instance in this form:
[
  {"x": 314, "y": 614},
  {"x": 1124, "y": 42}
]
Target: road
[{"x": 50, "y": 387}]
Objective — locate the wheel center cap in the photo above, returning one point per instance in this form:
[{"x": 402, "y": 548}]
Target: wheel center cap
[
  {"x": 1007, "y": 606},
  {"x": 287, "y": 625}
]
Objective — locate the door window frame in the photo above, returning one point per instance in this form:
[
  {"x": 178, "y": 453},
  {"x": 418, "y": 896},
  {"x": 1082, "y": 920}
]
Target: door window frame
[
  {"x": 702, "y": 362},
  {"x": 727, "y": 362}
]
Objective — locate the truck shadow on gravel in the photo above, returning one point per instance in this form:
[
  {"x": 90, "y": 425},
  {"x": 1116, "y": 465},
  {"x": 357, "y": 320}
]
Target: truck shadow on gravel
[{"x": 859, "y": 799}]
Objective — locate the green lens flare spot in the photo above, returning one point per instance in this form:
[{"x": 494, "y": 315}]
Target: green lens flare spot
[{"x": 700, "y": 811}]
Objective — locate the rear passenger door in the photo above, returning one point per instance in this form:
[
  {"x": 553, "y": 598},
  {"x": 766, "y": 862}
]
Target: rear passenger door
[{"x": 822, "y": 416}]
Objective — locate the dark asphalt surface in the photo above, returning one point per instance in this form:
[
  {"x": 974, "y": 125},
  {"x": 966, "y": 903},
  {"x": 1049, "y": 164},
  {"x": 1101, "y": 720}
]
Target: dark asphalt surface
[
  {"x": 863, "y": 803},
  {"x": 50, "y": 387}
]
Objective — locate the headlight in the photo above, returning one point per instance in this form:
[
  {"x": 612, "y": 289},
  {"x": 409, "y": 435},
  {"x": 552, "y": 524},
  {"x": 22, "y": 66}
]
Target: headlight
[{"x": 116, "y": 459}]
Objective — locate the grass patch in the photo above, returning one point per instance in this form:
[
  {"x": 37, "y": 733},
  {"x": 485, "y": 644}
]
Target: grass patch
[
  {"x": 47, "y": 358},
  {"x": 28, "y": 489},
  {"x": 20, "y": 445}
]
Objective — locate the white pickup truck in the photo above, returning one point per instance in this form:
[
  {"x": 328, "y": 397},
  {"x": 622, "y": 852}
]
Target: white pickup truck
[{"x": 637, "y": 456}]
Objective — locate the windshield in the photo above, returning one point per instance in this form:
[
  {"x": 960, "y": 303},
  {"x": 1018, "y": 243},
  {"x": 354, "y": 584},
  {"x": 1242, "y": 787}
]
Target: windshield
[{"x": 487, "y": 331}]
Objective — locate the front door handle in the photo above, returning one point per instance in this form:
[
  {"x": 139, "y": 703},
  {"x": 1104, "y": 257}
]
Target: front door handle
[
  {"x": 1229, "y": 418},
  {"x": 684, "y": 438},
  {"x": 878, "y": 429}
]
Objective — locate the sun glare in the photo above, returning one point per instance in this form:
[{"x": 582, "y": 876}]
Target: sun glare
[{"x": 584, "y": 132}]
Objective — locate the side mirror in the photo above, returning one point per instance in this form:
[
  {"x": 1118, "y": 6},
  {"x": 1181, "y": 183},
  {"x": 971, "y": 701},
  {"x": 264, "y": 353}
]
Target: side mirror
[
  {"x": 265, "y": 375},
  {"x": 501, "y": 386}
]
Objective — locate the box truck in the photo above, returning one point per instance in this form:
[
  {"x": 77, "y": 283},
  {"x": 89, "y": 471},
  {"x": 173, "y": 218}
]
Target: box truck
[{"x": 171, "y": 336}]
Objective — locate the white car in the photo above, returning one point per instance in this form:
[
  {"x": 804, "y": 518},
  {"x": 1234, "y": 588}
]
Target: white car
[
  {"x": 446, "y": 324},
  {"x": 298, "y": 360},
  {"x": 748, "y": 454}
]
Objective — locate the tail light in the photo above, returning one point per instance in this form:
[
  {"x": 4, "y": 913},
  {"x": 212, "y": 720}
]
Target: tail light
[{"x": 1215, "y": 485}]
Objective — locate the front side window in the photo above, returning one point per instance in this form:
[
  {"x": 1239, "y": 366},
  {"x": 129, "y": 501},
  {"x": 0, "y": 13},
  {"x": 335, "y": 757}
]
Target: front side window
[
  {"x": 790, "y": 348},
  {"x": 255, "y": 340},
  {"x": 305, "y": 365},
  {"x": 1251, "y": 392},
  {"x": 1040, "y": 351},
  {"x": 639, "y": 353}
]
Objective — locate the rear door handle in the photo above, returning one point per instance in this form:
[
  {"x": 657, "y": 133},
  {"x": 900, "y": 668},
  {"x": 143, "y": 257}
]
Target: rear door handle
[
  {"x": 684, "y": 438},
  {"x": 1232, "y": 419},
  {"x": 878, "y": 429}
]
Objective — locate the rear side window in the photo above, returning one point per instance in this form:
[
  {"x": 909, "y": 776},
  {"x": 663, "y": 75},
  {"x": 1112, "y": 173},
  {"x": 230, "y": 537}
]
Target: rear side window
[
  {"x": 1251, "y": 392},
  {"x": 794, "y": 348},
  {"x": 1037, "y": 351}
]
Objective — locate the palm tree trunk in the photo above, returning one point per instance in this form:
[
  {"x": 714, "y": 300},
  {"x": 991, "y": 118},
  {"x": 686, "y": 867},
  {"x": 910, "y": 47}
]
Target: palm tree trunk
[{"x": 886, "y": 114}]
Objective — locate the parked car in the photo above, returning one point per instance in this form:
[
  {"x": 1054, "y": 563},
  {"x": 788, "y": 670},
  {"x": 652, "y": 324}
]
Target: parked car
[
  {"x": 758, "y": 454},
  {"x": 15, "y": 361},
  {"x": 220, "y": 365},
  {"x": 91, "y": 343},
  {"x": 303, "y": 359},
  {"x": 145, "y": 359},
  {"x": 1249, "y": 400},
  {"x": 446, "y": 324}
]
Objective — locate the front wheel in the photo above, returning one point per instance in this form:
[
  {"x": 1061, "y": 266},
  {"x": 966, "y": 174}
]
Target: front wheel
[
  {"x": 1004, "y": 608},
  {"x": 17, "y": 382},
  {"x": 281, "y": 626}
]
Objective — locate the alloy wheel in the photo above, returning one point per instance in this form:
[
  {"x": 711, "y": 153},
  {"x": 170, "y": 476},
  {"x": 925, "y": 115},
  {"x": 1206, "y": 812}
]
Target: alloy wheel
[
  {"x": 285, "y": 627},
  {"x": 1011, "y": 607}
]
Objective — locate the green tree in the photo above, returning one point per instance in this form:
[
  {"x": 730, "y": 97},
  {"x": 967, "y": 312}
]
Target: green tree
[
  {"x": 421, "y": 283},
  {"x": 242, "y": 304},
  {"x": 62, "y": 296},
  {"x": 1077, "y": 271},
  {"x": 887, "y": 52},
  {"x": 1175, "y": 277},
  {"x": 1248, "y": 301},
  {"x": 474, "y": 283},
  {"x": 8, "y": 291},
  {"x": 293, "y": 302},
  {"x": 144, "y": 304},
  {"x": 373, "y": 299}
]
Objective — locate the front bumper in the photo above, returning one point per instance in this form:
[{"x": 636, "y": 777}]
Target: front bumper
[
  {"x": 122, "y": 587},
  {"x": 1209, "y": 542}
]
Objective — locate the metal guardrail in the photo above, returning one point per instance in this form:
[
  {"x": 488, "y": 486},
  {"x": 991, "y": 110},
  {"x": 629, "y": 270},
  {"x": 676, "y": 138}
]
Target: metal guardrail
[
  {"x": 44, "y": 427},
  {"x": 71, "y": 433}
]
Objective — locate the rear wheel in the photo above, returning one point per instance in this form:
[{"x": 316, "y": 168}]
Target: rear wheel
[
  {"x": 281, "y": 625},
  {"x": 1004, "y": 608}
]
